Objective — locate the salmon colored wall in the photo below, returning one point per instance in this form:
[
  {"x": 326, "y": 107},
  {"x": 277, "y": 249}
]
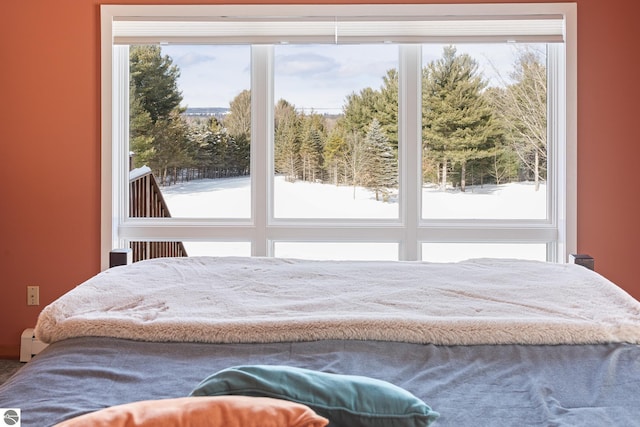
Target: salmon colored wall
[{"x": 50, "y": 147}]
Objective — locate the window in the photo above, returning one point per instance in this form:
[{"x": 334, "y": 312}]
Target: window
[
  {"x": 324, "y": 174},
  {"x": 405, "y": 176}
]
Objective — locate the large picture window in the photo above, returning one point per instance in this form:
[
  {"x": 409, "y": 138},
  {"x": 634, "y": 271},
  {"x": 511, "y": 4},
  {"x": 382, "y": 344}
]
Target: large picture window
[{"x": 409, "y": 132}]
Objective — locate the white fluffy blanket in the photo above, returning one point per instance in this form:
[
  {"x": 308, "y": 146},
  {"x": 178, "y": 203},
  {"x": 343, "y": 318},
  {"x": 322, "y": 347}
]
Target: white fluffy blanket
[{"x": 485, "y": 301}]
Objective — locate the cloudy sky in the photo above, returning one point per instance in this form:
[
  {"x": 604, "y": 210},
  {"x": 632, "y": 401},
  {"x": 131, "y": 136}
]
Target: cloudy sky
[{"x": 315, "y": 77}]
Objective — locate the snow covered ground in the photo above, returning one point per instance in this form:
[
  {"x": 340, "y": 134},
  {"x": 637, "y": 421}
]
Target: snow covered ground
[{"x": 231, "y": 198}]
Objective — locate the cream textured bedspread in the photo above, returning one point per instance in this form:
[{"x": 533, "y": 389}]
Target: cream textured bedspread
[{"x": 228, "y": 300}]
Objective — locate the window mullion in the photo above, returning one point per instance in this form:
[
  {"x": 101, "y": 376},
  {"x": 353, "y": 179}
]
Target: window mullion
[
  {"x": 261, "y": 145},
  {"x": 120, "y": 146},
  {"x": 409, "y": 137},
  {"x": 561, "y": 171}
]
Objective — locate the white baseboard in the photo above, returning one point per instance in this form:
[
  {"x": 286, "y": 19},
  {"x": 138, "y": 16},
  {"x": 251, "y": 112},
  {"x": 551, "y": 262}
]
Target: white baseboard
[{"x": 30, "y": 345}]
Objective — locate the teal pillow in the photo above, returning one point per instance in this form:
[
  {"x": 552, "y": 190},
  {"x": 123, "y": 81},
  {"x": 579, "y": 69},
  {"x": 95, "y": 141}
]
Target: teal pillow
[{"x": 346, "y": 400}]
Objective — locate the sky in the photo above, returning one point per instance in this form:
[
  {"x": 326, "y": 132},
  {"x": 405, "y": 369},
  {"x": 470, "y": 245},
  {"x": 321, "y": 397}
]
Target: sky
[{"x": 211, "y": 76}]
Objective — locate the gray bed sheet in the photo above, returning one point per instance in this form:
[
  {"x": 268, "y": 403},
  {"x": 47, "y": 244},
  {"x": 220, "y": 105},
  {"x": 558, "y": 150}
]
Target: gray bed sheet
[{"x": 505, "y": 385}]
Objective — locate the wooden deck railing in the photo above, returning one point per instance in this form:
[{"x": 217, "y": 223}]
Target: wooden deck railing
[{"x": 146, "y": 201}]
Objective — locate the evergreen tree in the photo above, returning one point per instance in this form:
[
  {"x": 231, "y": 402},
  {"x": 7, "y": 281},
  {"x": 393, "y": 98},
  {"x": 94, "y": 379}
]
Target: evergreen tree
[
  {"x": 199, "y": 136},
  {"x": 458, "y": 122},
  {"x": 286, "y": 141},
  {"x": 154, "y": 79},
  {"x": 241, "y": 154},
  {"x": 369, "y": 104},
  {"x": 154, "y": 108},
  {"x": 334, "y": 153},
  {"x": 217, "y": 145},
  {"x": 140, "y": 131},
  {"x": 380, "y": 169},
  {"x": 311, "y": 145},
  {"x": 359, "y": 110},
  {"x": 215, "y": 154},
  {"x": 386, "y": 109},
  {"x": 171, "y": 148}
]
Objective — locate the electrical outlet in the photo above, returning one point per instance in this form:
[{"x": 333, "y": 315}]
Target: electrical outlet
[{"x": 33, "y": 295}]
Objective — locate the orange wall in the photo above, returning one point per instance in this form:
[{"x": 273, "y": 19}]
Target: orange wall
[{"x": 50, "y": 147}]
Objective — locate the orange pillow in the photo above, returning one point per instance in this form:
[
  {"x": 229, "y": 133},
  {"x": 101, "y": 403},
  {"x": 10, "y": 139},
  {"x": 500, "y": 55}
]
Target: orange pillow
[{"x": 209, "y": 411}]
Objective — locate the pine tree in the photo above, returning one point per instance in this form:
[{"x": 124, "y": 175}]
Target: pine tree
[
  {"x": 154, "y": 101},
  {"x": 198, "y": 135},
  {"x": 311, "y": 145},
  {"x": 171, "y": 147},
  {"x": 381, "y": 171},
  {"x": 154, "y": 80},
  {"x": 217, "y": 145},
  {"x": 458, "y": 122},
  {"x": 334, "y": 153},
  {"x": 387, "y": 107},
  {"x": 240, "y": 152},
  {"x": 215, "y": 155},
  {"x": 140, "y": 132},
  {"x": 359, "y": 110},
  {"x": 286, "y": 141}
]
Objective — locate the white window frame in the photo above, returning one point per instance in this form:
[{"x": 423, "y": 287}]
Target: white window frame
[{"x": 558, "y": 232}]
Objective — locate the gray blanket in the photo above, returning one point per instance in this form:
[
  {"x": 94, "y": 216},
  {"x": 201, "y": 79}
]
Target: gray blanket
[{"x": 484, "y": 385}]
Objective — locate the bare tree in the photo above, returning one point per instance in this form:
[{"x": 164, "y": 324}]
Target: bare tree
[
  {"x": 238, "y": 121},
  {"x": 523, "y": 106},
  {"x": 355, "y": 159}
]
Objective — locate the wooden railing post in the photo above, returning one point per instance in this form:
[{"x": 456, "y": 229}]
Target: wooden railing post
[{"x": 146, "y": 201}]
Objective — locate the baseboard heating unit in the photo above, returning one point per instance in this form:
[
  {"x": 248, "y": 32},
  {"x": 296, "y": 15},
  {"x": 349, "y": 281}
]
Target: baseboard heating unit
[{"x": 30, "y": 345}]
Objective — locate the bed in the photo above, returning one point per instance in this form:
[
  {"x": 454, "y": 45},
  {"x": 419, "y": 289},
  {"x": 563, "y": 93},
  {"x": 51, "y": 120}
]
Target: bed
[{"x": 483, "y": 342}]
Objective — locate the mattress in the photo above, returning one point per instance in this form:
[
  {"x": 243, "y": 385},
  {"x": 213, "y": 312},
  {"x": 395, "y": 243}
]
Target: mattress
[{"x": 482, "y": 342}]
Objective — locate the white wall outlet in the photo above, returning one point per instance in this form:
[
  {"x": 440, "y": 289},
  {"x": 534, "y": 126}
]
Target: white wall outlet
[{"x": 33, "y": 295}]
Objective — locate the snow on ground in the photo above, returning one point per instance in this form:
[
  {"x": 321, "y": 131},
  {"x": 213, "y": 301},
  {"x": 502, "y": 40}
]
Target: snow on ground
[
  {"x": 209, "y": 198},
  {"x": 231, "y": 198},
  {"x": 517, "y": 200}
]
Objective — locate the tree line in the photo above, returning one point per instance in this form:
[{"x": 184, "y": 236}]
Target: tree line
[{"x": 471, "y": 133}]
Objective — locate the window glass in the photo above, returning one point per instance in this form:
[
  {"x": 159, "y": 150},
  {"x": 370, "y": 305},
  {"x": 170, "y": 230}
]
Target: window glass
[
  {"x": 337, "y": 250},
  {"x": 336, "y": 131},
  {"x": 190, "y": 123},
  {"x": 453, "y": 252},
  {"x": 218, "y": 248},
  {"x": 484, "y": 131}
]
